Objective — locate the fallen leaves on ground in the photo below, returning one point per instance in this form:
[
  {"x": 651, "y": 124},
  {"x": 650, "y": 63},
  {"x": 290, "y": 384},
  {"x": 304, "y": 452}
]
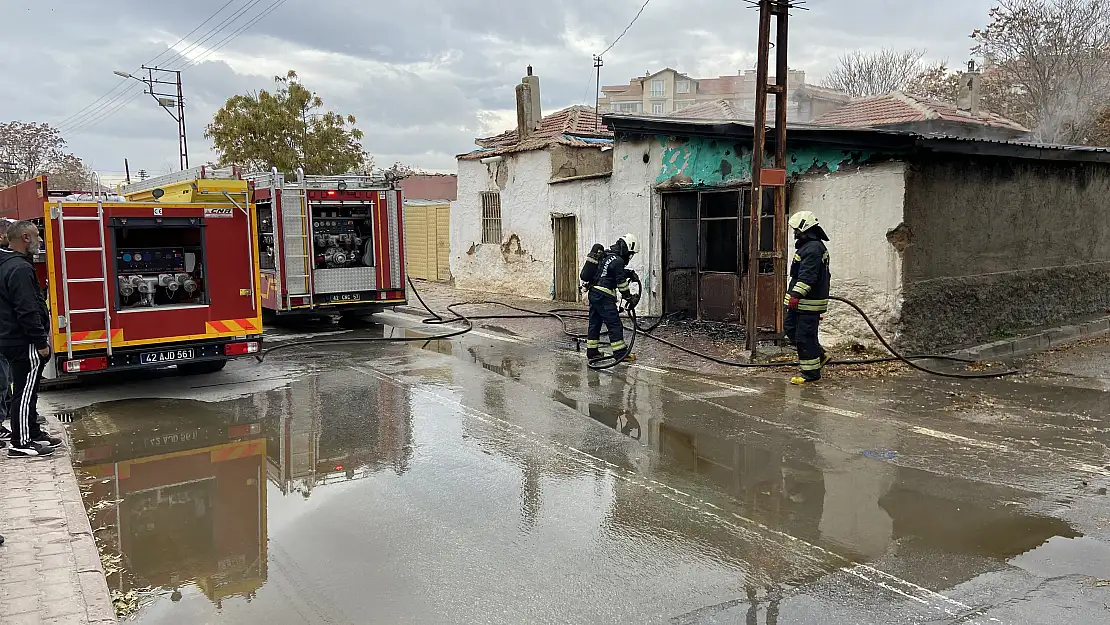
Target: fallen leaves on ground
[{"x": 125, "y": 604}]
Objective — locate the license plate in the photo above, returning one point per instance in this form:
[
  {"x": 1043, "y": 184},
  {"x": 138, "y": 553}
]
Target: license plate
[
  {"x": 167, "y": 356},
  {"x": 346, "y": 297}
]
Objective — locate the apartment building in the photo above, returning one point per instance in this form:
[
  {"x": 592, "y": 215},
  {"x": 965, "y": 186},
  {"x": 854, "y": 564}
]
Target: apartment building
[{"x": 668, "y": 90}]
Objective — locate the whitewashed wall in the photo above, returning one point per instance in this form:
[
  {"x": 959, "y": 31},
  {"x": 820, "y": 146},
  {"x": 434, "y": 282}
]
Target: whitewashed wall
[
  {"x": 857, "y": 208},
  {"x": 524, "y": 262},
  {"x": 636, "y": 209}
]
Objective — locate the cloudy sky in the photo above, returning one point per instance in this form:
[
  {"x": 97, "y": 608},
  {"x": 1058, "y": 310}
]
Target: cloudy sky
[{"x": 423, "y": 77}]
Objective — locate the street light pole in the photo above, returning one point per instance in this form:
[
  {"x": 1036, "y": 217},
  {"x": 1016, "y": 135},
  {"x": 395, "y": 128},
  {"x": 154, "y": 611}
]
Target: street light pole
[{"x": 173, "y": 103}]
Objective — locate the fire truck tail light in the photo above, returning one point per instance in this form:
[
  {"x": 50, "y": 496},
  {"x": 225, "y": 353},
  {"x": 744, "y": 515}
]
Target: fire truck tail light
[
  {"x": 239, "y": 349},
  {"x": 86, "y": 364},
  {"x": 245, "y": 429}
]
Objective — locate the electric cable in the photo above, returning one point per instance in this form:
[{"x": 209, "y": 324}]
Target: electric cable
[{"x": 563, "y": 314}]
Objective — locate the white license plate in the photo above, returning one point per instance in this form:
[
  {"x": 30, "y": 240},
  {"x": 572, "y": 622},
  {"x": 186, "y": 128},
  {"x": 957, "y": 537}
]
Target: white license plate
[{"x": 167, "y": 356}]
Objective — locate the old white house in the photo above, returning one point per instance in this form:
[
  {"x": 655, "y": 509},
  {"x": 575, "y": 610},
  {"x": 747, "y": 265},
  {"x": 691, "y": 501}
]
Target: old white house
[{"x": 532, "y": 201}]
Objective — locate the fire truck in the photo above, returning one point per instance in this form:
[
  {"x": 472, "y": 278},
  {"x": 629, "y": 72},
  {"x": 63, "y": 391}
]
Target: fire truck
[
  {"x": 329, "y": 244},
  {"x": 168, "y": 279}
]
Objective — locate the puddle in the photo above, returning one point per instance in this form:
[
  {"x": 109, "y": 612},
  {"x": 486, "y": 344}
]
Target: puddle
[{"x": 346, "y": 497}]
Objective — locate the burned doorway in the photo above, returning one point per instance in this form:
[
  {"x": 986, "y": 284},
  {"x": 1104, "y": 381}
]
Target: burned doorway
[
  {"x": 705, "y": 241},
  {"x": 565, "y": 232}
]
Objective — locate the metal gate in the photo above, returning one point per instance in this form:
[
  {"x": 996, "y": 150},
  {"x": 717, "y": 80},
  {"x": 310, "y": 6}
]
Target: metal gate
[{"x": 566, "y": 258}]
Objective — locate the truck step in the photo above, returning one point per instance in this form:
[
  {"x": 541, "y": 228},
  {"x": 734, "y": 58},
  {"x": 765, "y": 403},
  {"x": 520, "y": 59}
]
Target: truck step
[
  {"x": 83, "y": 280},
  {"x": 88, "y": 311},
  {"x": 84, "y": 249}
]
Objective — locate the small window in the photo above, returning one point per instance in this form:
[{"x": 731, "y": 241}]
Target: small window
[
  {"x": 658, "y": 89},
  {"x": 657, "y": 108},
  {"x": 682, "y": 86},
  {"x": 491, "y": 217}
]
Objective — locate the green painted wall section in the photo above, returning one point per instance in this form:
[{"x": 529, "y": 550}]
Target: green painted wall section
[{"x": 702, "y": 162}]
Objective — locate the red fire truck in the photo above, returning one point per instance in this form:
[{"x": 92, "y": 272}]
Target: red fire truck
[
  {"x": 170, "y": 280},
  {"x": 329, "y": 244}
]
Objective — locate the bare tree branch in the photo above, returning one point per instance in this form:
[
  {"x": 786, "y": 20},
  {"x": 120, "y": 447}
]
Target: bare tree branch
[{"x": 863, "y": 74}]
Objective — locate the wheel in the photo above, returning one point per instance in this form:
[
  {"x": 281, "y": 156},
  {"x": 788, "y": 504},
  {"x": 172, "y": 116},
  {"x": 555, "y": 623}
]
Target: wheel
[{"x": 200, "y": 368}]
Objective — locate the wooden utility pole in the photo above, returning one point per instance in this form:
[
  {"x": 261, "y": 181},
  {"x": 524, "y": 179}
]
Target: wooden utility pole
[{"x": 762, "y": 176}]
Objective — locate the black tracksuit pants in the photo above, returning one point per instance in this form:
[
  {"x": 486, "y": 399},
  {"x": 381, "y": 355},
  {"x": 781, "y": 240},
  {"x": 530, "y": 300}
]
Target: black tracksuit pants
[
  {"x": 603, "y": 311},
  {"x": 801, "y": 330},
  {"x": 26, "y": 367}
]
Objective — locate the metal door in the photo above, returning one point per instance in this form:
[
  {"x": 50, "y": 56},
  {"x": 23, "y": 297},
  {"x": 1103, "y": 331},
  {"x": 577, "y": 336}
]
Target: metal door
[{"x": 566, "y": 258}]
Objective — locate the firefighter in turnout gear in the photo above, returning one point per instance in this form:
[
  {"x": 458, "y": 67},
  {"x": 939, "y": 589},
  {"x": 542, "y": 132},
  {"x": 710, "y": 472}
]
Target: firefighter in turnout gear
[
  {"x": 611, "y": 282},
  {"x": 807, "y": 296}
]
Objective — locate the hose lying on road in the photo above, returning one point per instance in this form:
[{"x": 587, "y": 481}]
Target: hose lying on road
[{"x": 563, "y": 314}]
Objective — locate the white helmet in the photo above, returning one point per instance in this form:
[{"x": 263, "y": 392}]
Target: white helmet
[
  {"x": 629, "y": 242},
  {"x": 803, "y": 220}
]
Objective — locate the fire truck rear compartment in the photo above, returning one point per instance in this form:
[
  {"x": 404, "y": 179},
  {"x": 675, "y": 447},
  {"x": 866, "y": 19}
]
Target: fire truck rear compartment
[{"x": 159, "y": 264}]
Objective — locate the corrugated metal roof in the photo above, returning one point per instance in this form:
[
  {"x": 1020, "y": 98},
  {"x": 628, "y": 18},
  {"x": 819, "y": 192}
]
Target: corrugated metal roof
[{"x": 877, "y": 139}]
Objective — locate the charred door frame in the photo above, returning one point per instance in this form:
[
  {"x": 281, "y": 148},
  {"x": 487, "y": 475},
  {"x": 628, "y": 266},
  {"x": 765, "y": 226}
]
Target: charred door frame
[{"x": 768, "y": 300}]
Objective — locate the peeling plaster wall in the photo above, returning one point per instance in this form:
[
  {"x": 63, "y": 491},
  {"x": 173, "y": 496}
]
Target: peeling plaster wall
[
  {"x": 636, "y": 209},
  {"x": 858, "y": 208},
  {"x": 701, "y": 162},
  {"x": 998, "y": 245},
  {"x": 523, "y": 264},
  {"x": 644, "y": 167}
]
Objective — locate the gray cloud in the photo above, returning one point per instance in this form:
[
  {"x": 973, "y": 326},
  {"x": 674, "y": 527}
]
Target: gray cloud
[{"x": 422, "y": 76}]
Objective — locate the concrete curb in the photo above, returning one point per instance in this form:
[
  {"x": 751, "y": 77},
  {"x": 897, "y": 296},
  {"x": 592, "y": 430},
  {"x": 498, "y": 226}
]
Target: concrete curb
[
  {"x": 50, "y": 568},
  {"x": 1034, "y": 343},
  {"x": 90, "y": 569}
]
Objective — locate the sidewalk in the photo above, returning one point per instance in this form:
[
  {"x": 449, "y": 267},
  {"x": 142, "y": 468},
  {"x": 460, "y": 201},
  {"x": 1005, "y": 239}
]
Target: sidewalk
[{"x": 50, "y": 569}]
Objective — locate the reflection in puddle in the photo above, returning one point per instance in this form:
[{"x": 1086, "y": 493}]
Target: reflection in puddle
[{"x": 177, "y": 489}]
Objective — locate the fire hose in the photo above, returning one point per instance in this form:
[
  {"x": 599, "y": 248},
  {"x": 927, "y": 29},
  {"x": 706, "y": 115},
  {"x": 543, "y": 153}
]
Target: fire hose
[{"x": 563, "y": 314}]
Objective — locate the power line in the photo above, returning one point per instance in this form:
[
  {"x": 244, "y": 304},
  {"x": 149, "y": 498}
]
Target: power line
[
  {"x": 221, "y": 43},
  {"x": 183, "y": 55},
  {"x": 102, "y": 112},
  {"x": 190, "y": 33},
  {"x": 89, "y": 122},
  {"x": 626, "y": 28},
  {"x": 72, "y": 119}
]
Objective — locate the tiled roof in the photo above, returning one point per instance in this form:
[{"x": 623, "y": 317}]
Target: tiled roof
[
  {"x": 562, "y": 127},
  {"x": 899, "y": 108}
]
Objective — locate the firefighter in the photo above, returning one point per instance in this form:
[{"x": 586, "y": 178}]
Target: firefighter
[
  {"x": 807, "y": 296},
  {"x": 612, "y": 277}
]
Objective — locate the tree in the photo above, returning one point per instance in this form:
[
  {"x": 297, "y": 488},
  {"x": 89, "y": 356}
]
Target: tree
[
  {"x": 33, "y": 149},
  {"x": 864, "y": 74},
  {"x": 70, "y": 173},
  {"x": 400, "y": 171},
  {"x": 1050, "y": 61},
  {"x": 28, "y": 150},
  {"x": 286, "y": 129},
  {"x": 935, "y": 83}
]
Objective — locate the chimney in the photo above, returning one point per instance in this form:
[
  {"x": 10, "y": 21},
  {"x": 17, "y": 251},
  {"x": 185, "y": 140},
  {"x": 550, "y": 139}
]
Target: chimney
[
  {"x": 971, "y": 84},
  {"x": 528, "y": 105}
]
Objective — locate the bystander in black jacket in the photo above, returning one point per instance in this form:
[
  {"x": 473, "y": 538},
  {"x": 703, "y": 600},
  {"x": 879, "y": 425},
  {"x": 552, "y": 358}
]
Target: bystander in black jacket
[{"x": 24, "y": 319}]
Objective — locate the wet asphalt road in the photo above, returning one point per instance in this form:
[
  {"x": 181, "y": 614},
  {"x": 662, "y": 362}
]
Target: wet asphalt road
[{"x": 488, "y": 480}]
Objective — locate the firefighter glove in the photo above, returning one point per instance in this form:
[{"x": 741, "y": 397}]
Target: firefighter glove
[{"x": 793, "y": 305}]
